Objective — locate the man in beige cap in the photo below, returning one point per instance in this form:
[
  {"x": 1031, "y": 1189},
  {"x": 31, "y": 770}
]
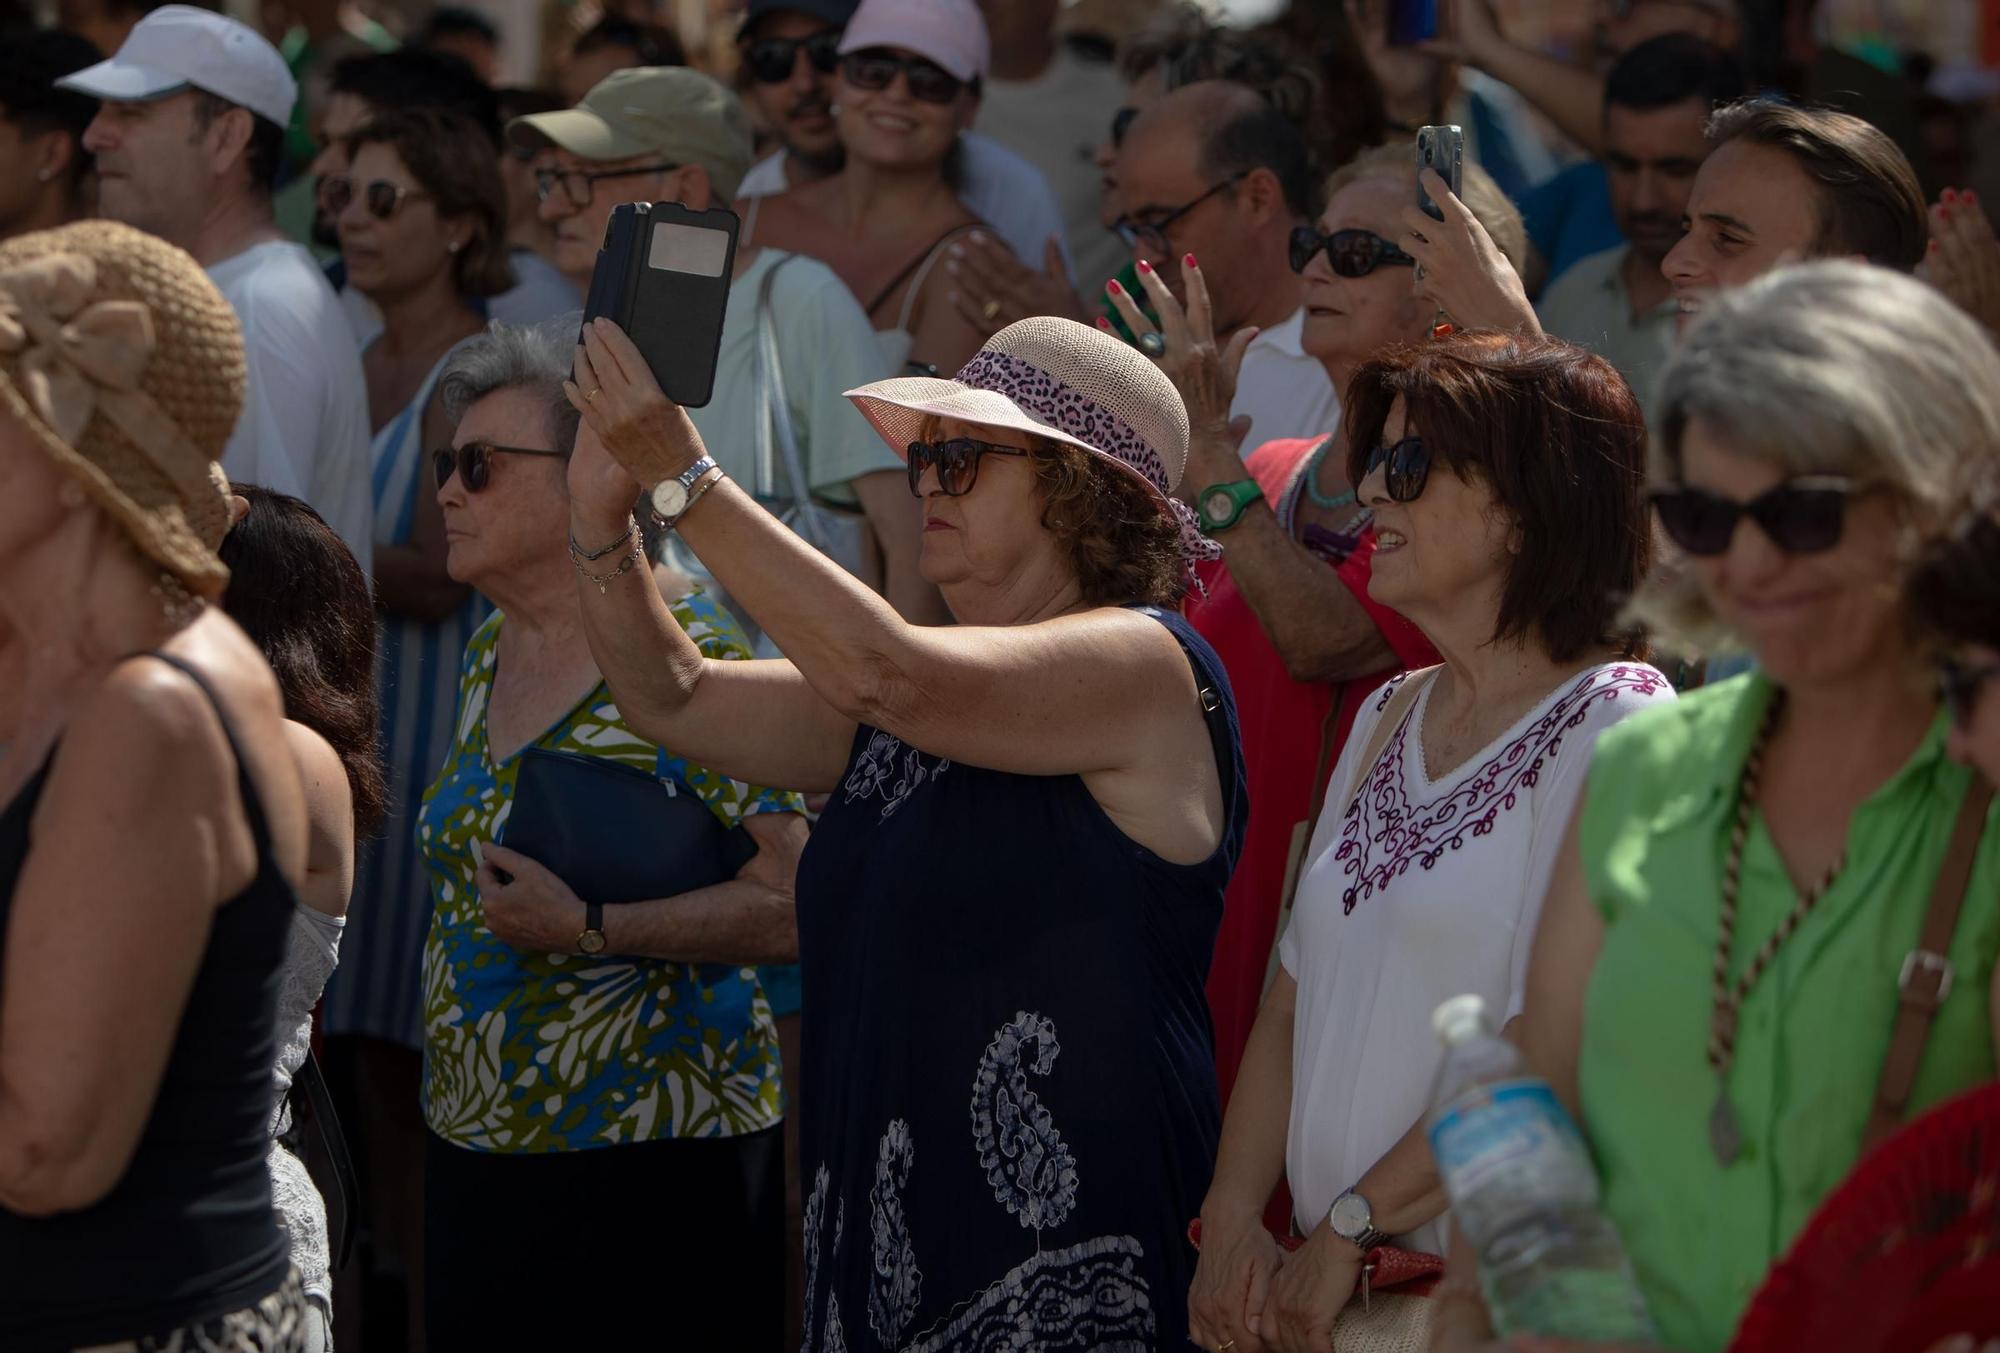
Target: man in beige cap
[{"x": 671, "y": 134}]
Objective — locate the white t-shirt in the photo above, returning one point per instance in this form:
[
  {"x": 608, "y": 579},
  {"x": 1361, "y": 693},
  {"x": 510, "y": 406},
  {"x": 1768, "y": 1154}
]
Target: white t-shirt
[
  {"x": 1417, "y": 892},
  {"x": 304, "y": 429},
  {"x": 1284, "y": 389},
  {"x": 1057, "y": 121},
  {"x": 1000, "y": 188}
]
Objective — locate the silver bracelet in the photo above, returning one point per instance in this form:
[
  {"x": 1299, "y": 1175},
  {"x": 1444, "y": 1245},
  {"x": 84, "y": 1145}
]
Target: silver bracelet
[{"x": 581, "y": 555}]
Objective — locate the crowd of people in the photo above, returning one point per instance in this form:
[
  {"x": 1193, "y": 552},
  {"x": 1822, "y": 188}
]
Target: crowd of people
[{"x": 1149, "y": 613}]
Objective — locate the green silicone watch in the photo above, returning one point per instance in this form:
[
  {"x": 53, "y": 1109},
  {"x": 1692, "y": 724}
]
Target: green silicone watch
[{"x": 1221, "y": 506}]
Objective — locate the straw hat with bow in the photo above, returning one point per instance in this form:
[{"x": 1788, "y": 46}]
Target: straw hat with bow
[{"x": 126, "y": 364}]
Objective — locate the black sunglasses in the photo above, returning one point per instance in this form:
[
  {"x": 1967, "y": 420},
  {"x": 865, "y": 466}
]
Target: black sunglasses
[
  {"x": 1405, "y": 466},
  {"x": 1153, "y": 234},
  {"x": 1959, "y": 685},
  {"x": 1121, "y": 122},
  {"x": 474, "y": 462},
  {"x": 771, "y": 61},
  {"x": 956, "y": 462},
  {"x": 581, "y": 187},
  {"x": 874, "y": 68},
  {"x": 381, "y": 197},
  {"x": 1801, "y": 516},
  {"x": 1350, "y": 253}
]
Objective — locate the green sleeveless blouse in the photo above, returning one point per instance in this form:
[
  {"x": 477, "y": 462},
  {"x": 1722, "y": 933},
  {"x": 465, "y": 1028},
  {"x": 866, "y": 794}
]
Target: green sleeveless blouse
[{"x": 1812, "y": 1035}]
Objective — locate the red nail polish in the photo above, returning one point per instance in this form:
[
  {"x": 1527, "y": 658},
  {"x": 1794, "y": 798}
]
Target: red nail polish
[
  {"x": 1188, "y": 259},
  {"x": 1144, "y": 266},
  {"x": 1113, "y": 287},
  {"x": 1950, "y": 195},
  {"x": 1105, "y": 324},
  {"x": 1970, "y": 196}
]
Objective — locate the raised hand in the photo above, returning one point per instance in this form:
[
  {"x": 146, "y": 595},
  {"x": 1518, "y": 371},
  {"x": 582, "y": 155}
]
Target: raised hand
[
  {"x": 1460, "y": 270},
  {"x": 1963, "y": 261},
  {"x": 646, "y": 433},
  {"x": 1203, "y": 372}
]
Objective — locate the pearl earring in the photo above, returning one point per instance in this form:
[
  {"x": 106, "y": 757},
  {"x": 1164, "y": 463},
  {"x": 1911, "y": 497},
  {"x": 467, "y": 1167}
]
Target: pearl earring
[
  {"x": 44, "y": 175},
  {"x": 451, "y": 248}
]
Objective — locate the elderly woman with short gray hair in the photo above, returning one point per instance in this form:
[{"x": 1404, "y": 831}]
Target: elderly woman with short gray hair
[
  {"x": 605, "y": 1089},
  {"x": 1756, "y": 870}
]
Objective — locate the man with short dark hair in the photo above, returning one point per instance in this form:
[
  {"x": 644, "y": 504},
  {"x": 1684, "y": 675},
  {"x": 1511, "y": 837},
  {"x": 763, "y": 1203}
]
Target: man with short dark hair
[
  {"x": 1784, "y": 183},
  {"x": 43, "y": 165},
  {"x": 615, "y": 43},
  {"x": 1657, "y": 102},
  {"x": 187, "y": 144},
  {"x": 1215, "y": 171}
]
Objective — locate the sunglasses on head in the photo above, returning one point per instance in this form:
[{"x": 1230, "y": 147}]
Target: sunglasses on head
[
  {"x": 474, "y": 462},
  {"x": 1801, "y": 516},
  {"x": 874, "y": 68},
  {"x": 771, "y": 61},
  {"x": 1350, "y": 253},
  {"x": 381, "y": 197},
  {"x": 1959, "y": 684},
  {"x": 1405, "y": 466},
  {"x": 956, "y": 462}
]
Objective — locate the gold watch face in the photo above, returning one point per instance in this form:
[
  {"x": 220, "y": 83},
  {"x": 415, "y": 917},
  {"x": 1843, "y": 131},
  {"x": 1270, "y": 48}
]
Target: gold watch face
[{"x": 591, "y": 942}]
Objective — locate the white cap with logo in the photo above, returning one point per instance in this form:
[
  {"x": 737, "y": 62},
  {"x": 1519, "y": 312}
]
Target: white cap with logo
[{"x": 180, "y": 47}]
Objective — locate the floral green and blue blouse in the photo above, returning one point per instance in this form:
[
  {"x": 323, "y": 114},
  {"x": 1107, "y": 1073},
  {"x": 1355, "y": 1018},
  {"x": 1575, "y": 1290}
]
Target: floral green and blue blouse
[{"x": 529, "y": 1053}]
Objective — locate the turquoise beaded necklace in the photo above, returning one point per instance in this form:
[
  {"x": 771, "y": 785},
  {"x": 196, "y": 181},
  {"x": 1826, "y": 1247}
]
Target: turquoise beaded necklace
[{"x": 1319, "y": 499}]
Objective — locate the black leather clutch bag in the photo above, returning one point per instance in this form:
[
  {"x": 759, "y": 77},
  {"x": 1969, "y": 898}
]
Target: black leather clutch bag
[{"x": 614, "y": 833}]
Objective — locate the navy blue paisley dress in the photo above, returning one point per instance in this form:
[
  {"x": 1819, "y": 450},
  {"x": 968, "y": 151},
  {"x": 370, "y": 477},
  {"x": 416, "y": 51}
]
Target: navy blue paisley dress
[{"x": 1010, "y": 1107}]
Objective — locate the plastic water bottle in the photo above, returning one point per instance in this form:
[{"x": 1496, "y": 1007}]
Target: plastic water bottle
[{"x": 1524, "y": 1191}]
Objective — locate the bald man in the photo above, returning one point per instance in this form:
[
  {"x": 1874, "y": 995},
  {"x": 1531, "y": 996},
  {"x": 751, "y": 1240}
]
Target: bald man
[{"x": 1215, "y": 171}]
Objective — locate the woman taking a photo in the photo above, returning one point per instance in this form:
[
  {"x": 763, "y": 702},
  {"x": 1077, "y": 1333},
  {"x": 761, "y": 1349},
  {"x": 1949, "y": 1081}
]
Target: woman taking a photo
[
  {"x": 1012, "y": 896},
  {"x": 910, "y": 72},
  {"x": 297, "y": 592},
  {"x": 1785, "y": 830},
  {"x": 154, "y": 828},
  {"x": 1504, "y": 477}
]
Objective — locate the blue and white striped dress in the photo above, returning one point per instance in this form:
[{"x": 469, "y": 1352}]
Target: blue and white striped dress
[{"x": 377, "y": 990}]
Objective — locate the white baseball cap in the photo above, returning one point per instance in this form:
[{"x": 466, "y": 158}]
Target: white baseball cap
[{"x": 180, "y": 47}]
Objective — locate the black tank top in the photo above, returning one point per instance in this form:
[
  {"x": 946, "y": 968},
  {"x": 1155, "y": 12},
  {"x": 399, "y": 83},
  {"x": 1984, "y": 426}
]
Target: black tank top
[{"x": 188, "y": 1233}]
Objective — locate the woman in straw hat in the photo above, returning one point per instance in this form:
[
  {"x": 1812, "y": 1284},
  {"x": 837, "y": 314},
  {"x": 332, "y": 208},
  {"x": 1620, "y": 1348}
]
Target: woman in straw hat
[
  {"x": 1006, "y": 913},
  {"x": 154, "y": 821}
]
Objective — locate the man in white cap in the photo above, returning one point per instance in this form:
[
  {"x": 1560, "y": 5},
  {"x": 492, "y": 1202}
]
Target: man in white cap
[
  {"x": 188, "y": 144},
  {"x": 671, "y": 134}
]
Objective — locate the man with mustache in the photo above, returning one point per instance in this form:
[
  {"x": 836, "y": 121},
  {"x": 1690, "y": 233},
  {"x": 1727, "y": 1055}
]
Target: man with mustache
[
  {"x": 790, "y": 52},
  {"x": 1657, "y": 100}
]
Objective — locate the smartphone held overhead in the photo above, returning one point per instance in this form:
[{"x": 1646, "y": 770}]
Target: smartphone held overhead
[
  {"x": 1412, "y": 21},
  {"x": 1441, "y": 149},
  {"x": 663, "y": 276}
]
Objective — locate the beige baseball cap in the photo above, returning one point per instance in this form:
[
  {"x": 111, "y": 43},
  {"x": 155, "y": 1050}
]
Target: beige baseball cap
[{"x": 673, "y": 112}]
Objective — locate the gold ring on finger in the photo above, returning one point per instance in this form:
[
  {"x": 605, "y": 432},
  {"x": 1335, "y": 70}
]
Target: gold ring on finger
[
  {"x": 591, "y": 398},
  {"x": 1225, "y": 1347},
  {"x": 989, "y": 310}
]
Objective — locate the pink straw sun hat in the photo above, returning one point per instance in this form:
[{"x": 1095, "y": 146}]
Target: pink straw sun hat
[{"x": 1065, "y": 381}]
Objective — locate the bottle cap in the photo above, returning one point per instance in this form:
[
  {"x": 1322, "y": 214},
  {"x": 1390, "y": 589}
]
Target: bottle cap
[{"x": 1460, "y": 1018}]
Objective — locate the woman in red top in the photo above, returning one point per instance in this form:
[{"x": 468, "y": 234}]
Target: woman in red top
[{"x": 1288, "y": 607}]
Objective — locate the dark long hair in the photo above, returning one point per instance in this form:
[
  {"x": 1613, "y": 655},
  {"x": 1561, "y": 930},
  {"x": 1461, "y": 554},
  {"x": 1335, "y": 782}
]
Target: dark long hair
[{"x": 296, "y": 590}]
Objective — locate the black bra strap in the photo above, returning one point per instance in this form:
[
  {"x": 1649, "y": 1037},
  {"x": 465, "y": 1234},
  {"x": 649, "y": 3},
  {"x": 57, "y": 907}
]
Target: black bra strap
[{"x": 253, "y": 807}]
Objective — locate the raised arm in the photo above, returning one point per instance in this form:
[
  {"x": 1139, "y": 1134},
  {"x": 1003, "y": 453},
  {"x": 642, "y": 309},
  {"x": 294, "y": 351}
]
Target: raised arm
[
  {"x": 1083, "y": 693},
  {"x": 1571, "y": 98}
]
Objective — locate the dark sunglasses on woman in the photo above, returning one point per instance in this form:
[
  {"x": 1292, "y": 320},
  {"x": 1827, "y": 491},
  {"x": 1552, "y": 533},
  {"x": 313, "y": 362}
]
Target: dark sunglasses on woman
[
  {"x": 1800, "y": 516},
  {"x": 1405, "y": 466},
  {"x": 956, "y": 462},
  {"x": 875, "y": 68},
  {"x": 381, "y": 197},
  {"x": 1959, "y": 686},
  {"x": 771, "y": 61},
  {"x": 1350, "y": 253},
  {"x": 474, "y": 462}
]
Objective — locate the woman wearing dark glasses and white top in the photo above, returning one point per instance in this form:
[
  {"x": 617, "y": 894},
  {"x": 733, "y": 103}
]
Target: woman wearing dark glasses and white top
[
  {"x": 1289, "y": 609},
  {"x": 1716, "y": 978},
  {"x": 421, "y": 212},
  {"x": 907, "y": 88},
  {"x": 1504, "y": 476}
]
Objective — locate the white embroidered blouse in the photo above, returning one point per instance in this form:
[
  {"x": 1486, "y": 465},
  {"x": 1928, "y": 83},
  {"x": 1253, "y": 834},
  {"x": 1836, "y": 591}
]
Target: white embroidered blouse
[{"x": 1421, "y": 890}]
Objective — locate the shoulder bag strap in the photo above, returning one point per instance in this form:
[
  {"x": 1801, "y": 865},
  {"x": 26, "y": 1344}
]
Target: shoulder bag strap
[
  {"x": 1927, "y": 972},
  {"x": 310, "y": 1082},
  {"x": 776, "y": 420}
]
